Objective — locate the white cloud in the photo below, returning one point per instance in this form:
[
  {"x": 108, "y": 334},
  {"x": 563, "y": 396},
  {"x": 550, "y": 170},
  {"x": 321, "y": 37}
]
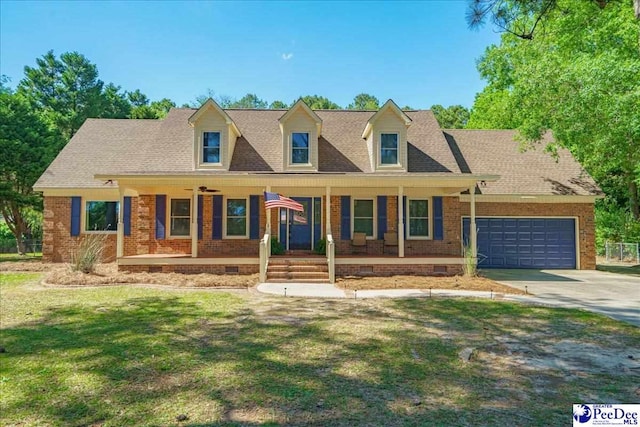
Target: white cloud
[{"x": 287, "y": 56}]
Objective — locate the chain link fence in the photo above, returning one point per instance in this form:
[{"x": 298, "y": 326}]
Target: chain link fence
[
  {"x": 10, "y": 247},
  {"x": 623, "y": 252}
]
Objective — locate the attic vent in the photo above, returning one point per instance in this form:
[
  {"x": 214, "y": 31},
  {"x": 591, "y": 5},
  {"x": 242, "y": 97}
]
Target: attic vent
[
  {"x": 231, "y": 269},
  {"x": 366, "y": 269}
]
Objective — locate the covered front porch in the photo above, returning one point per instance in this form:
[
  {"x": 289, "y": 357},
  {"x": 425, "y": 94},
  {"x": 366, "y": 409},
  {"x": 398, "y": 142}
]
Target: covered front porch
[{"x": 390, "y": 218}]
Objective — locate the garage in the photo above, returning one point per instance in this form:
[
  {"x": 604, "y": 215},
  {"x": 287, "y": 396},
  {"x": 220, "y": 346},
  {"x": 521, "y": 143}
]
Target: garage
[{"x": 510, "y": 242}]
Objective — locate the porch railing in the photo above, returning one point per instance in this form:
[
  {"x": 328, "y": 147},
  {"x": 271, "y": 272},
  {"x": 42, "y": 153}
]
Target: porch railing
[
  {"x": 331, "y": 257},
  {"x": 265, "y": 253}
]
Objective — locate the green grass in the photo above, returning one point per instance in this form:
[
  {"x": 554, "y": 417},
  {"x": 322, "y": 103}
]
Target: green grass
[
  {"x": 632, "y": 270},
  {"x": 31, "y": 256},
  {"x": 118, "y": 356}
]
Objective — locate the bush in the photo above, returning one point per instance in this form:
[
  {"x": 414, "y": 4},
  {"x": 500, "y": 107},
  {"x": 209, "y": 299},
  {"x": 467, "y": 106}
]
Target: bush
[
  {"x": 276, "y": 247},
  {"x": 89, "y": 253},
  {"x": 321, "y": 247},
  {"x": 469, "y": 267},
  {"x": 615, "y": 225}
]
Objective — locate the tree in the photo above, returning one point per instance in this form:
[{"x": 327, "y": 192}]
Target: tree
[
  {"x": 522, "y": 18},
  {"x": 579, "y": 79},
  {"x": 27, "y": 146},
  {"x": 316, "y": 102},
  {"x": 116, "y": 105},
  {"x": 364, "y": 101},
  {"x": 277, "y": 105},
  {"x": 66, "y": 90},
  {"x": 137, "y": 98},
  {"x": 224, "y": 101},
  {"x": 155, "y": 110},
  {"x": 452, "y": 117},
  {"x": 250, "y": 100}
]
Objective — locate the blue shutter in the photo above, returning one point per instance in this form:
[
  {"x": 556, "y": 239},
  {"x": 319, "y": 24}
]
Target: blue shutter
[
  {"x": 404, "y": 216},
  {"x": 254, "y": 217},
  {"x": 76, "y": 205},
  {"x": 438, "y": 227},
  {"x": 382, "y": 216},
  {"x": 161, "y": 214},
  {"x": 200, "y": 202},
  {"x": 216, "y": 234},
  {"x": 345, "y": 217},
  {"x": 126, "y": 212}
]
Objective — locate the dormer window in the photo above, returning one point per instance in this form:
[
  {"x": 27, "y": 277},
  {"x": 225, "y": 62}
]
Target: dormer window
[
  {"x": 388, "y": 148},
  {"x": 211, "y": 147},
  {"x": 299, "y": 148}
]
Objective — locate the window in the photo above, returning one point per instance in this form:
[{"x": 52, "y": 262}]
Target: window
[
  {"x": 419, "y": 218},
  {"x": 101, "y": 216},
  {"x": 389, "y": 148},
  {"x": 363, "y": 216},
  {"x": 236, "y": 217},
  {"x": 180, "y": 218},
  {"x": 299, "y": 148},
  {"x": 211, "y": 147}
]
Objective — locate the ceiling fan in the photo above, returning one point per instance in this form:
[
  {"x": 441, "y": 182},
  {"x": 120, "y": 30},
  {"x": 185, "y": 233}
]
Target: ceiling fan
[{"x": 204, "y": 189}]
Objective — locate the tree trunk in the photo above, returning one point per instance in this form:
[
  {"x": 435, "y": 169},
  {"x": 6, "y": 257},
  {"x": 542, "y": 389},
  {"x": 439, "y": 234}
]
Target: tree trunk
[
  {"x": 636, "y": 7},
  {"x": 634, "y": 199}
]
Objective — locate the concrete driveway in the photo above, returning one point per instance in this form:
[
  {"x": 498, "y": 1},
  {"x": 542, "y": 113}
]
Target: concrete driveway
[{"x": 614, "y": 295}]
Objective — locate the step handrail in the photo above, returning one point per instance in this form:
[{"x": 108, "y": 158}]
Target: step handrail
[
  {"x": 331, "y": 257},
  {"x": 265, "y": 252}
]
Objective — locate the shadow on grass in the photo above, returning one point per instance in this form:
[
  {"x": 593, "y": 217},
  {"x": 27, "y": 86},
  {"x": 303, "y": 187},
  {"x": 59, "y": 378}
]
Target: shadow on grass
[
  {"x": 630, "y": 270},
  {"x": 143, "y": 361}
]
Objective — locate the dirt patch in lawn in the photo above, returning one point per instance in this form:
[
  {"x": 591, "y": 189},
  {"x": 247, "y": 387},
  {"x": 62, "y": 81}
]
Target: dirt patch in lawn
[{"x": 426, "y": 282}]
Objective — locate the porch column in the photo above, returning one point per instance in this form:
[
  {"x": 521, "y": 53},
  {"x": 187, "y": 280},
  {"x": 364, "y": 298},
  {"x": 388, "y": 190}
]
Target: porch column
[
  {"x": 400, "y": 223},
  {"x": 194, "y": 224},
  {"x": 327, "y": 209},
  {"x": 268, "y": 214},
  {"x": 120, "y": 231},
  {"x": 473, "y": 238}
]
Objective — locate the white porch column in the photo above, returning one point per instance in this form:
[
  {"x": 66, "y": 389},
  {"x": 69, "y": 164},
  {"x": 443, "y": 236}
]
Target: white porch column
[
  {"x": 268, "y": 214},
  {"x": 401, "y": 224},
  {"x": 473, "y": 238},
  {"x": 327, "y": 209},
  {"x": 194, "y": 224},
  {"x": 120, "y": 231}
]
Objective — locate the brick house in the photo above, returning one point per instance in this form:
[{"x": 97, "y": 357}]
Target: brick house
[{"x": 388, "y": 191}]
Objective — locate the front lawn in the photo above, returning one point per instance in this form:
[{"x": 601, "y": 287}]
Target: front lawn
[{"x": 123, "y": 355}]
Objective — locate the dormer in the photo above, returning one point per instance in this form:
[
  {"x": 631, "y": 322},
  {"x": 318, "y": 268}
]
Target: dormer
[
  {"x": 386, "y": 136},
  {"x": 301, "y": 127},
  {"x": 214, "y": 136}
]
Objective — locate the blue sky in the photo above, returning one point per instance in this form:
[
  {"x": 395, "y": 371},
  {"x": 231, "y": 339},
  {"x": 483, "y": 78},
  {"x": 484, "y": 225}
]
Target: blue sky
[{"x": 417, "y": 53}]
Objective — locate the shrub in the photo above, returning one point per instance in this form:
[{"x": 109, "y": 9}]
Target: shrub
[
  {"x": 276, "y": 247},
  {"x": 321, "y": 247},
  {"x": 469, "y": 267},
  {"x": 88, "y": 253}
]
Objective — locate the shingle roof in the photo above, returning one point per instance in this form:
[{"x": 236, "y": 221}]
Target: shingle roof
[
  {"x": 155, "y": 147},
  {"x": 532, "y": 171}
]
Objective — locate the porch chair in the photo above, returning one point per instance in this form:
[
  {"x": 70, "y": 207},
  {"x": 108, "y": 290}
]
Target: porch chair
[
  {"x": 391, "y": 240},
  {"x": 359, "y": 243}
]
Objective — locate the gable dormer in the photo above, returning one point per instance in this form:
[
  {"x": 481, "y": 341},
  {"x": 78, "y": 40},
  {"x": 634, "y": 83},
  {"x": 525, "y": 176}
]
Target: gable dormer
[
  {"x": 386, "y": 136},
  {"x": 301, "y": 127},
  {"x": 214, "y": 136}
]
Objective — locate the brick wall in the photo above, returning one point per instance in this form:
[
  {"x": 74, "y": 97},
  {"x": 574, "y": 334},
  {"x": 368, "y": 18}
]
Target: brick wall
[
  {"x": 385, "y": 270},
  {"x": 189, "y": 269},
  {"x": 57, "y": 244},
  {"x": 584, "y": 212}
]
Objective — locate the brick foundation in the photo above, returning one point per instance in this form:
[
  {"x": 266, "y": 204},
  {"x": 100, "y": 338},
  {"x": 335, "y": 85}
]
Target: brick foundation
[
  {"x": 385, "y": 270},
  {"x": 188, "y": 269}
]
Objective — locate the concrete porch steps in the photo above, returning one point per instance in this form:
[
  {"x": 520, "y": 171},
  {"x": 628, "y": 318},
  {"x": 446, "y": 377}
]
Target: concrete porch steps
[{"x": 299, "y": 270}]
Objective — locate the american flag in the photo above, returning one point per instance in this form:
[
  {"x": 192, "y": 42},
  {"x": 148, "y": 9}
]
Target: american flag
[{"x": 275, "y": 200}]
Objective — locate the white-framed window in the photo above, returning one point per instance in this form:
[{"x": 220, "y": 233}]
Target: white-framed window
[
  {"x": 388, "y": 148},
  {"x": 101, "y": 216},
  {"x": 418, "y": 218},
  {"x": 236, "y": 221},
  {"x": 364, "y": 217},
  {"x": 180, "y": 218},
  {"x": 211, "y": 147},
  {"x": 299, "y": 148}
]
